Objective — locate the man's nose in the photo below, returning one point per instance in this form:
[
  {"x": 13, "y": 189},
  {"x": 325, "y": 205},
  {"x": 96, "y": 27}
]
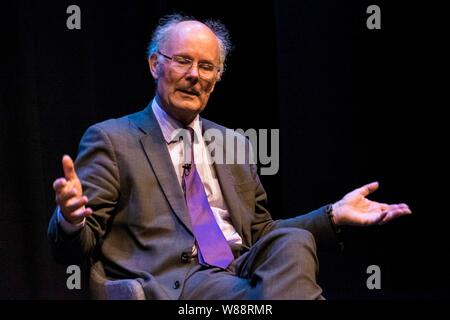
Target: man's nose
[{"x": 192, "y": 73}]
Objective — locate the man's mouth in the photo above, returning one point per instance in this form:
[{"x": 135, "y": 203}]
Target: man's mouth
[{"x": 189, "y": 92}]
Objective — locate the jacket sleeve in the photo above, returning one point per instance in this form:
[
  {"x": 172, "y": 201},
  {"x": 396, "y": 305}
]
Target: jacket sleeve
[
  {"x": 96, "y": 167},
  {"x": 317, "y": 222}
]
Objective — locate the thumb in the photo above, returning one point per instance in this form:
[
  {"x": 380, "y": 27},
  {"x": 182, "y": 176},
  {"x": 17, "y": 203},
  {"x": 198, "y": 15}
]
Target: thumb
[
  {"x": 368, "y": 188},
  {"x": 69, "y": 168}
]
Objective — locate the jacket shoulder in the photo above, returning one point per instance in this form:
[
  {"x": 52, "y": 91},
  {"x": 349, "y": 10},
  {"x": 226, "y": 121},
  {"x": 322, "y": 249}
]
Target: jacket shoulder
[
  {"x": 211, "y": 125},
  {"x": 119, "y": 126}
]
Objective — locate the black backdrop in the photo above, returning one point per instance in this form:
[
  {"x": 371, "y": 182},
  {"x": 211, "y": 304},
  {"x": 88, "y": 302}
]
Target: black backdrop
[{"x": 353, "y": 105}]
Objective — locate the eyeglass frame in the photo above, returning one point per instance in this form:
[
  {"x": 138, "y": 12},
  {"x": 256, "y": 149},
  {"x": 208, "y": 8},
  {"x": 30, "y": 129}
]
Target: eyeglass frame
[{"x": 191, "y": 64}]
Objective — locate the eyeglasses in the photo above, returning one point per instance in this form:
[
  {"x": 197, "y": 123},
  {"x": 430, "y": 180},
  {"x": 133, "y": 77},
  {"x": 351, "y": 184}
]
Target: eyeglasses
[{"x": 206, "y": 71}]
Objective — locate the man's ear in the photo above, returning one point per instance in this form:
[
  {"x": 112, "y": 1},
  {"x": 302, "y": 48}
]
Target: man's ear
[{"x": 153, "y": 64}]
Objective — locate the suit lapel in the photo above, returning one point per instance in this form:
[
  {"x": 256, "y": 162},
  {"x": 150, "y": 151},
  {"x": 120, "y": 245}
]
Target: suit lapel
[{"x": 155, "y": 148}]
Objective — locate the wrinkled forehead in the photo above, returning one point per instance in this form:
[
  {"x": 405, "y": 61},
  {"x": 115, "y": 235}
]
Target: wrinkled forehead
[{"x": 192, "y": 37}]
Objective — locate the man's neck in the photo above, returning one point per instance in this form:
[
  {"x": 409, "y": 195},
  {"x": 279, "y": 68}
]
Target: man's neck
[{"x": 183, "y": 121}]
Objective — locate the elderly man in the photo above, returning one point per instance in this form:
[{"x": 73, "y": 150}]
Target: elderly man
[{"x": 157, "y": 227}]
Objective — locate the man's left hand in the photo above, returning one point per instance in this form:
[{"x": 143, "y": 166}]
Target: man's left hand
[{"x": 355, "y": 209}]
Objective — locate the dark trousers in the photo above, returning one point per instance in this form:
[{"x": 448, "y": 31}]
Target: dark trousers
[{"x": 281, "y": 265}]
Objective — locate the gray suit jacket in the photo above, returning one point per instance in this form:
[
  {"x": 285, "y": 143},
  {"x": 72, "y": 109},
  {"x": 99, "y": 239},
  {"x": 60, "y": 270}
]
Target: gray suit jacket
[{"x": 140, "y": 234}]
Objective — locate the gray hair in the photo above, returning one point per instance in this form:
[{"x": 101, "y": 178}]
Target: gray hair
[{"x": 166, "y": 24}]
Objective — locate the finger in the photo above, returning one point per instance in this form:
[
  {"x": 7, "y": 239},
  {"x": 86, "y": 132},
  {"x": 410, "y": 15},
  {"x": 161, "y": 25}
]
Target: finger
[
  {"x": 75, "y": 204},
  {"x": 87, "y": 212},
  {"x": 401, "y": 207},
  {"x": 396, "y": 211},
  {"x": 69, "y": 168},
  {"x": 78, "y": 215},
  {"x": 372, "y": 218},
  {"x": 405, "y": 207},
  {"x": 377, "y": 206},
  {"x": 388, "y": 217},
  {"x": 401, "y": 212},
  {"x": 379, "y": 218},
  {"x": 64, "y": 197},
  {"x": 368, "y": 189},
  {"x": 384, "y": 207},
  {"x": 82, "y": 212},
  {"x": 59, "y": 184}
]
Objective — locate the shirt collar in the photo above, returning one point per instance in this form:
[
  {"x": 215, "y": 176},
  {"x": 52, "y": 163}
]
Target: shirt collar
[{"x": 171, "y": 126}]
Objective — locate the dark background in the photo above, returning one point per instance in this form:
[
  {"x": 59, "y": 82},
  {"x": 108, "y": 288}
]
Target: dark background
[{"x": 353, "y": 105}]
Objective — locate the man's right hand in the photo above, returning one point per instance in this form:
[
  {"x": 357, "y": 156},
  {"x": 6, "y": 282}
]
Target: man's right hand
[{"x": 69, "y": 194}]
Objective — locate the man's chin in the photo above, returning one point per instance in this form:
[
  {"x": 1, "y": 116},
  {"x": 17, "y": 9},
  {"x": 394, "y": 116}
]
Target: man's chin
[{"x": 189, "y": 106}]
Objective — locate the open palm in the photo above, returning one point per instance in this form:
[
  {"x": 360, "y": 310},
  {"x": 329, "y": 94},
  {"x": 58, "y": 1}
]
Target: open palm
[{"x": 356, "y": 209}]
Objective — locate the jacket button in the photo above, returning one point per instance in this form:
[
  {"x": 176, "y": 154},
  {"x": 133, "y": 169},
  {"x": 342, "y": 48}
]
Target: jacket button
[
  {"x": 176, "y": 284},
  {"x": 184, "y": 257}
]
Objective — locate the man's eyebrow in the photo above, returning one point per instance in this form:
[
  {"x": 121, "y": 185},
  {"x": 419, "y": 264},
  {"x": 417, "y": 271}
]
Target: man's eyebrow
[
  {"x": 184, "y": 56},
  {"x": 206, "y": 61}
]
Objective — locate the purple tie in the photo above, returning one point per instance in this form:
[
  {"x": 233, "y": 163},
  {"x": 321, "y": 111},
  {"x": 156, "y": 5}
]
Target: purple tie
[{"x": 212, "y": 246}]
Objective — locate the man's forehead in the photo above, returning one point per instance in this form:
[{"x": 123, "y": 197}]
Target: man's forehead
[
  {"x": 192, "y": 31},
  {"x": 192, "y": 26}
]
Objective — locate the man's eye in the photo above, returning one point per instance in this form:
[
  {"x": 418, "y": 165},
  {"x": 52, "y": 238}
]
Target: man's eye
[
  {"x": 181, "y": 60},
  {"x": 206, "y": 66}
]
